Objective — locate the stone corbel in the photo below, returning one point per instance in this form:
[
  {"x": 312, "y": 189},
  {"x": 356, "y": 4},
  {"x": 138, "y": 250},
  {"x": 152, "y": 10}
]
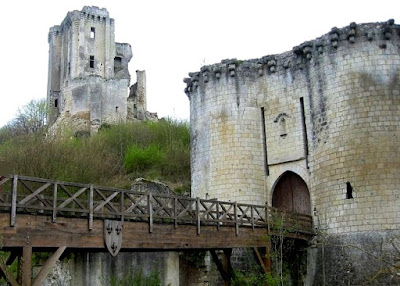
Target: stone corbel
[
  {"x": 387, "y": 30},
  {"x": 271, "y": 65},
  {"x": 205, "y": 73},
  {"x": 195, "y": 80},
  {"x": 320, "y": 47},
  {"x": 370, "y": 35},
  {"x": 352, "y": 33},
  {"x": 188, "y": 82},
  {"x": 217, "y": 72},
  {"x": 334, "y": 37},
  {"x": 232, "y": 69},
  {"x": 260, "y": 68},
  {"x": 307, "y": 50},
  {"x": 270, "y": 62}
]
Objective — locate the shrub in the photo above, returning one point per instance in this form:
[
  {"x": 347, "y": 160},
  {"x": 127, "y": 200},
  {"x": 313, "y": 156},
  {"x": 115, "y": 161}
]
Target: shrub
[
  {"x": 143, "y": 158},
  {"x": 158, "y": 150}
]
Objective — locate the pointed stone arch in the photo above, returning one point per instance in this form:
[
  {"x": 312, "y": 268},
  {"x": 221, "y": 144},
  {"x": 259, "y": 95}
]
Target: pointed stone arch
[{"x": 291, "y": 194}]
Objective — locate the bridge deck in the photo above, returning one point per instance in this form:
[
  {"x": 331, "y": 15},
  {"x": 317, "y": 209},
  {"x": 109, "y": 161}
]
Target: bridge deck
[{"x": 46, "y": 213}]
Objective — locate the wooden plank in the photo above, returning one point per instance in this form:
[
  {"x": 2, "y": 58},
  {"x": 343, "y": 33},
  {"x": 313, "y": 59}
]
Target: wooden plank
[
  {"x": 74, "y": 233},
  {"x": 27, "y": 266},
  {"x": 73, "y": 198},
  {"x": 48, "y": 266},
  {"x": 35, "y": 194},
  {"x": 107, "y": 202}
]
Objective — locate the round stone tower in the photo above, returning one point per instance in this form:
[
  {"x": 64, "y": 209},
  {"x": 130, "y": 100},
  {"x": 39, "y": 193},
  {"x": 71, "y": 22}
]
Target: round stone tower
[{"x": 314, "y": 130}]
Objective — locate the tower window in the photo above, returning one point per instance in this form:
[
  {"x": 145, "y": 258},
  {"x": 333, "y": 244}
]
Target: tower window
[
  {"x": 349, "y": 191},
  {"x": 91, "y": 62},
  {"x": 92, "y": 32},
  {"x": 56, "y": 103}
]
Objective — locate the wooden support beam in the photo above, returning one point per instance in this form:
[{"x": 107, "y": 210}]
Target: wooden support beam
[
  {"x": 264, "y": 257},
  {"x": 7, "y": 273},
  {"x": 27, "y": 266},
  {"x": 48, "y": 266},
  {"x": 225, "y": 267}
]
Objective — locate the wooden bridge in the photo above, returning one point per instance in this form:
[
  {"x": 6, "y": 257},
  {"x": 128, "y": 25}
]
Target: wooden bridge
[{"x": 47, "y": 215}]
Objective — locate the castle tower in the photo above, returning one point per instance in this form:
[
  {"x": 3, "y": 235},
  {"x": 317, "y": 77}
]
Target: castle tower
[
  {"x": 88, "y": 76},
  {"x": 314, "y": 130}
]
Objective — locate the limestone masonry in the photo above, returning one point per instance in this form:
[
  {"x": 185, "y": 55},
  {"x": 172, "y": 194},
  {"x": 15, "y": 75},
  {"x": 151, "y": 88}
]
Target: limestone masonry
[
  {"x": 314, "y": 130},
  {"x": 88, "y": 78}
]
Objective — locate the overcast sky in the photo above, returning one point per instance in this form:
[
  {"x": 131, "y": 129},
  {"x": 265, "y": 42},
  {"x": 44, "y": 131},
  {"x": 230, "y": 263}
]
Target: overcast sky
[{"x": 171, "y": 38}]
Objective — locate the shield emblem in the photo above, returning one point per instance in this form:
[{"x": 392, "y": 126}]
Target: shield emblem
[{"x": 113, "y": 236}]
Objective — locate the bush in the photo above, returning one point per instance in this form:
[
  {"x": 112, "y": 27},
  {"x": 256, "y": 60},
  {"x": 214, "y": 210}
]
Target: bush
[
  {"x": 143, "y": 158},
  {"x": 112, "y": 157}
]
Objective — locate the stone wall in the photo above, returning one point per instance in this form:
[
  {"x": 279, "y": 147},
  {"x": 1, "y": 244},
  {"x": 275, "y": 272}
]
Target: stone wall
[
  {"x": 101, "y": 268},
  {"x": 327, "y": 111}
]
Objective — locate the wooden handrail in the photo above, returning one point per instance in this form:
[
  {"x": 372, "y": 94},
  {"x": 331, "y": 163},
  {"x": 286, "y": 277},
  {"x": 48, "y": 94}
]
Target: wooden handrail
[{"x": 22, "y": 194}]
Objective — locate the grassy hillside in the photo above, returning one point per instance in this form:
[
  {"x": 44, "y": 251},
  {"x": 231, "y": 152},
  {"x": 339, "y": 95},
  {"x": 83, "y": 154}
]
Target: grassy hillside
[{"x": 115, "y": 156}]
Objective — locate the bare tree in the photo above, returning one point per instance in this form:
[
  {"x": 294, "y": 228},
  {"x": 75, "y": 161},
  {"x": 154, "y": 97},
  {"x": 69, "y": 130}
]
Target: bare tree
[{"x": 30, "y": 118}]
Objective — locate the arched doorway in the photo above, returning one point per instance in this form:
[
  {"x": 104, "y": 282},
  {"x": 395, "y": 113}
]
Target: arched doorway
[{"x": 291, "y": 194}]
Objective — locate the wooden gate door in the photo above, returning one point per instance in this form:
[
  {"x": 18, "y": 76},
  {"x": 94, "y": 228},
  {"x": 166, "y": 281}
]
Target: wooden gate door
[{"x": 291, "y": 194}]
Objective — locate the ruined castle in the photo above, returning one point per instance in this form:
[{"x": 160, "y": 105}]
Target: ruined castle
[
  {"x": 88, "y": 76},
  {"x": 314, "y": 130}
]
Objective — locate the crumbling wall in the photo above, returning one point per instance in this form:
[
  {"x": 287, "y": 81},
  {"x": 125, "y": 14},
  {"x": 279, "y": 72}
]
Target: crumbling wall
[{"x": 88, "y": 74}]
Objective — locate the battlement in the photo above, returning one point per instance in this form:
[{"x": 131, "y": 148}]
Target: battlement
[
  {"x": 309, "y": 51},
  {"x": 95, "y": 11}
]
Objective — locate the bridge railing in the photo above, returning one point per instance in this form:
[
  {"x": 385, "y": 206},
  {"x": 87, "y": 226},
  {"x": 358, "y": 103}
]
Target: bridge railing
[{"x": 21, "y": 194}]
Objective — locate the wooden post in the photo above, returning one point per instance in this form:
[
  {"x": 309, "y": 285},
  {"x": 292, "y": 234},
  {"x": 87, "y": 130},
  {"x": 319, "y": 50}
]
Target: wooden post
[
  {"x": 55, "y": 201},
  {"x": 14, "y": 200},
  {"x": 175, "y": 212},
  {"x": 217, "y": 215},
  {"x": 252, "y": 217},
  {"x": 122, "y": 207},
  {"x": 150, "y": 211},
  {"x": 236, "y": 219},
  {"x": 198, "y": 214},
  {"x": 91, "y": 207},
  {"x": 27, "y": 266}
]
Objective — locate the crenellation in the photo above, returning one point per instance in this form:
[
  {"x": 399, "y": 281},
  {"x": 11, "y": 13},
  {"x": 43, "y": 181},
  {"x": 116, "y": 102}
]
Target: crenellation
[{"x": 310, "y": 50}]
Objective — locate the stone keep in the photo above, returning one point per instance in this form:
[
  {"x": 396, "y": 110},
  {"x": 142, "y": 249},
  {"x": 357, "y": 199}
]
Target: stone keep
[
  {"x": 88, "y": 78},
  {"x": 314, "y": 130}
]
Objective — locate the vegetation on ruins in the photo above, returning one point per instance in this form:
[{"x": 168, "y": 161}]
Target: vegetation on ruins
[
  {"x": 115, "y": 156},
  {"x": 134, "y": 278}
]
